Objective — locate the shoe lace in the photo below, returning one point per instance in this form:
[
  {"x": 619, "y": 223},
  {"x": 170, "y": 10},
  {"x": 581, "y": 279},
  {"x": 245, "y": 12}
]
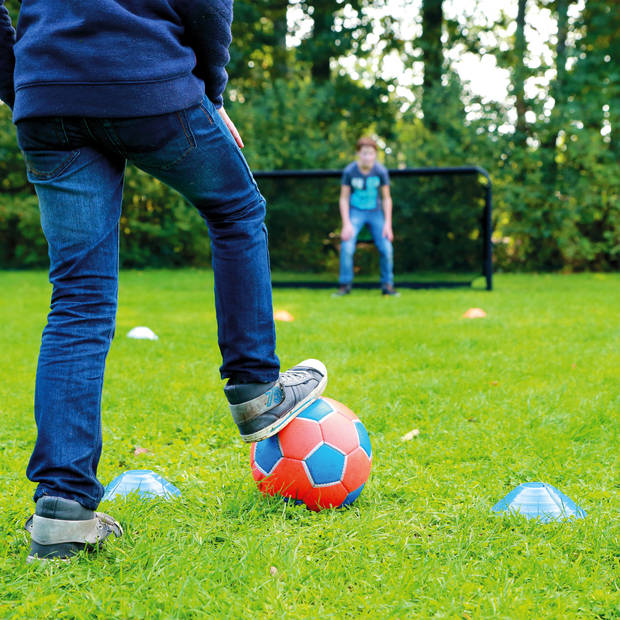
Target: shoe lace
[{"x": 292, "y": 376}]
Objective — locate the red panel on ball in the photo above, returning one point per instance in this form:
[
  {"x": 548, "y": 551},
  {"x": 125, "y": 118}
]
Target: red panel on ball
[
  {"x": 356, "y": 470},
  {"x": 289, "y": 479},
  {"x": 257, "y": 474},
  {"x": 325, "y": 497},
  {"x": 339, "y": 431},
  {"x": 299, "y": 438},
  {"x": 340, "y": 407}
]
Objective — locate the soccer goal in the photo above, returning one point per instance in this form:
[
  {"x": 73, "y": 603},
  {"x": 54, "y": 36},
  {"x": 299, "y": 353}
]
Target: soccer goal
[{"x": 441, "y": 221}]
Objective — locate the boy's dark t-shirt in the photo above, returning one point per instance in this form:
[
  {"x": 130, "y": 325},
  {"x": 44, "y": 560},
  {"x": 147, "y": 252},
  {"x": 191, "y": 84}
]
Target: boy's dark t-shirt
[{"x": 365, "y": 192}]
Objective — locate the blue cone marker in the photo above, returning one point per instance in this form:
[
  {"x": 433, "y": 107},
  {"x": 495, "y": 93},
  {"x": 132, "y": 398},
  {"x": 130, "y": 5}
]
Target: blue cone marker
[
  {"x": 147, "y": 483},
  {"x": 538, "y": 500}
]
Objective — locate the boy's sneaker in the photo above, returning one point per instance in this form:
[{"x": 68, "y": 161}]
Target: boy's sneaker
[
  {"x": 344, "y": 289},
  {"x": 261, "y": 410},
  {"x": 61, "y": 527},
  {"x": 388, "y": 289}
]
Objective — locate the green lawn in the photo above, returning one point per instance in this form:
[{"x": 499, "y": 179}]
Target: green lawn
[{"x": 531, "y": 393}]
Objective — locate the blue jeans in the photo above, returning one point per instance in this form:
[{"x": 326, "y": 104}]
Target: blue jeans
[
  {"x": 374, "y": 219},
  {"x": 77, "y": 167}
]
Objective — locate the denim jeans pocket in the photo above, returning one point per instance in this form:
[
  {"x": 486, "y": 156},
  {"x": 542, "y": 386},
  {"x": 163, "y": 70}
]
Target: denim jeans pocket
[
  {"x": 45, "y": 165},
  {"x": 203, "y": 108},
  {"x": 44, "y": 147},
  {"x": 156, "y": 142}
]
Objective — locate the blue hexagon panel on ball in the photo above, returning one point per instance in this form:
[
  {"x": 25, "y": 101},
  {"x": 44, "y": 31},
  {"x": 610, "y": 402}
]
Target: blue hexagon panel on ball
[{"x": 268, "y": 454}]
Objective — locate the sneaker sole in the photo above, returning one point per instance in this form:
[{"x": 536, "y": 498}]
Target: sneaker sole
[
  {"x": 278, "y": 425},
  {"x": 35, "y": 558}
]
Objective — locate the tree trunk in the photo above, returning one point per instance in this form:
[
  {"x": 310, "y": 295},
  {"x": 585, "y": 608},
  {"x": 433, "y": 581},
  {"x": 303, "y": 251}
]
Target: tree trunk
[
  {"x": 432, "y": 54},
  {"x": 519, "y": 74},
  {"x": 558, "y": 92},
  {"x": 280, "y": 30},
  {"x": 322, "y": 35}
]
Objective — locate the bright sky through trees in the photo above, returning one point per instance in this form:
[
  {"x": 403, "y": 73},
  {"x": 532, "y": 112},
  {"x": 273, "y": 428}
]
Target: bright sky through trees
[{"x": 481, "y": 72}]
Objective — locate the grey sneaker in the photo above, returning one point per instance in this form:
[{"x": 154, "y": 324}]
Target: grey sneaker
[
  {"x": 261, "y": 410},
  {"x": 60, "y": 528},
  {"x": 344, "y": 289},
  {"x": 388, "y": 289}
]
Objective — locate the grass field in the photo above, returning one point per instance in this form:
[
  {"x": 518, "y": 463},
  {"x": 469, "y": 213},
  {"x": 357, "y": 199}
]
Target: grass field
[{"x": 531, "y": 393}]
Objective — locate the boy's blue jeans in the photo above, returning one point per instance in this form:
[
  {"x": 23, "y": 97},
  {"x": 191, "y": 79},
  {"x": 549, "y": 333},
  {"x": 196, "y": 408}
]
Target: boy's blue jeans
[
  {"x": 375, "y": 220},
  {"x": 77, "y": 166}
]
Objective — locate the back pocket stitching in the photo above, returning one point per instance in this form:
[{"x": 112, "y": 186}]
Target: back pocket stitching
[{"x": 48, "y": 175}]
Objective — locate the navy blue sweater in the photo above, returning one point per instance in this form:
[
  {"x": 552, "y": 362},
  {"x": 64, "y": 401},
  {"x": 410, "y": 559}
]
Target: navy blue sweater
[{"x": 113, "y": 58}]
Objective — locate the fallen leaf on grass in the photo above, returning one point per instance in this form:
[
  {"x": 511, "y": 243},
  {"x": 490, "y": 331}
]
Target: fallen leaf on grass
[
  {"x": 283, "y": 315},
  {"x": 474, "y": 313},
  {"x": 410, "y": 435}
]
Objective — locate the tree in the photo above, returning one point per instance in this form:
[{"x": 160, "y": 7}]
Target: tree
[
  {"x": 558, "y": 92},
  {"x": 590, "y": 156},
  {"x": 332, "y": 36},
  {"x": 432, "y": 55},
  {"x": 258, "y": 52},
  {"x": 519, "y": 74}
]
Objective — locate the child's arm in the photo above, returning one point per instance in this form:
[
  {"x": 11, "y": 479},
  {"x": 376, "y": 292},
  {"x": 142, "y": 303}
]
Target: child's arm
[
  {"x": 207, "y": 30},
  {"x": 347, "y": 229},
  {"x": 7, "y": 58},
  {"x": 386, "y": 198}
]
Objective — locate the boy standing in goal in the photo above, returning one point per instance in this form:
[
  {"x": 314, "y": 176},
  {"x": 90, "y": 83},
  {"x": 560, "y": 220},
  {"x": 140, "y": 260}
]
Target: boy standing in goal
[{"x": 365, "y": 200}]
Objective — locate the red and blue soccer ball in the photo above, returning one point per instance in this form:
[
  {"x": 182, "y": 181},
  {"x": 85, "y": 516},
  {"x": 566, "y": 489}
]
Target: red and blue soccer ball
[{"x": 321, "y": 459}]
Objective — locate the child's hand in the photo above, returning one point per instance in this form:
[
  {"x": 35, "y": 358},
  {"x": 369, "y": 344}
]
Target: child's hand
[
  {"x": 387, "y": 232},
  {"x": 347, "y": 231},
  {"x": 231, "y": 127}
]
